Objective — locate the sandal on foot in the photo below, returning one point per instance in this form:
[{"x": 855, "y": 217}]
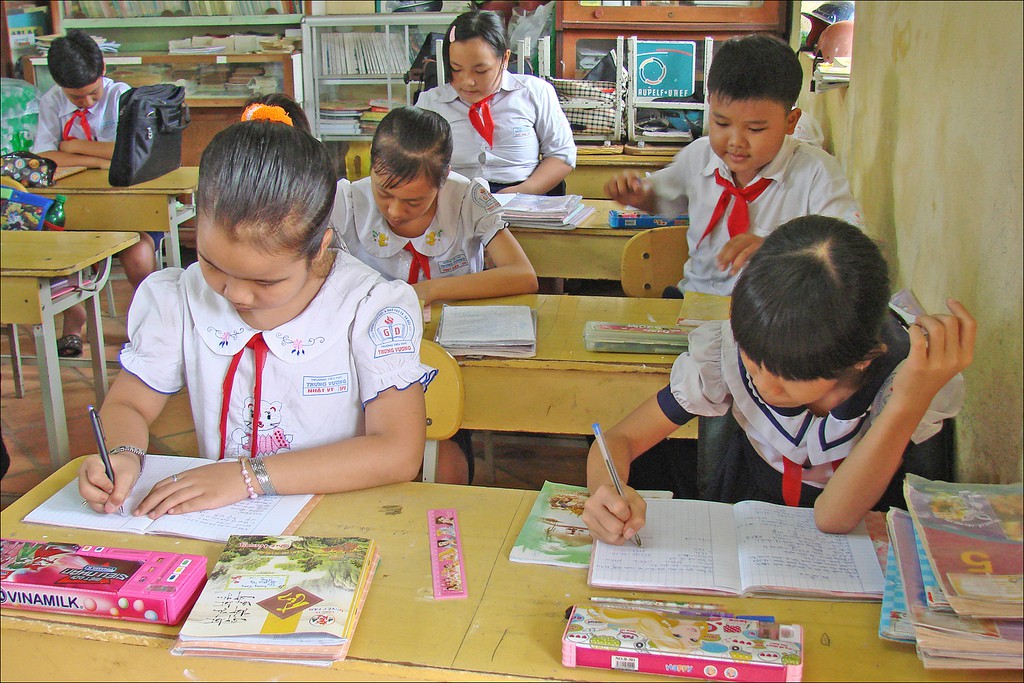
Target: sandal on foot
[{"x": 69, "y": 346}]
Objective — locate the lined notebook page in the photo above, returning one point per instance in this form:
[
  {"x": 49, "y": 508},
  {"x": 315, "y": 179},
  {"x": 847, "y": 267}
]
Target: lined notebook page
[
  {"x": 781, "y": 548},
  {"x": 687, "y": 544}
]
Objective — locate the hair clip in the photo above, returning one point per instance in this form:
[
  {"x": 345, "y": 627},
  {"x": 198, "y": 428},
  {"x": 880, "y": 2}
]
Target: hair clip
[
  {"x": 266, "y": 112},
  {"x": 451, "y": 35}
]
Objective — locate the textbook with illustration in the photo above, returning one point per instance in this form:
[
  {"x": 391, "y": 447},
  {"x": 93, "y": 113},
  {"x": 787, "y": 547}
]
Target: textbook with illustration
[
  {"x": 263, "y": 515},
  {"x": 506, "y": 331},
  {"x": 290, "y": 599},
  {"x": 750, "y": 548}
]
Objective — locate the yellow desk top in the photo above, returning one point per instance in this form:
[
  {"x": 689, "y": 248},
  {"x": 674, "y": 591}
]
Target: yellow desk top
[
  {"x": 183, "y": 180},
  {"x": 40, "y": 253},
  {"x": 509, "y": 628}
]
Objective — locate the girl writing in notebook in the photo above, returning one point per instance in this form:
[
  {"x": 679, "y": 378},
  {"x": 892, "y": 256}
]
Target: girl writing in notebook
[
  {"x": 414, "y": 219},
  {"x": 828, "y": 388},
  {"x": 301, "y": 363}
]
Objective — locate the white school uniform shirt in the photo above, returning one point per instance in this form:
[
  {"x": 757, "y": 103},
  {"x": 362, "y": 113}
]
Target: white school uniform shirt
[
  {"x": 807, "y": 180},
  {"x": 55, "y": 109},
  {"x": 528, "y": 124},
  {"x": 710, "y": 380},
  {"x": 358, "y": 336},
  {"x": 467, "y": 218}
]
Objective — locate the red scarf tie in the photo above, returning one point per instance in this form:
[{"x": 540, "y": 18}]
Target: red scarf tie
[
  {"x": 80, "y": 115},
  {"x": 480, "y": 117},
  {"x": 260, "y": 350},
  {"x": 419, "y": 263},
  {"x": 739, "y": 217},
  {"x": 793, "y": 480}
]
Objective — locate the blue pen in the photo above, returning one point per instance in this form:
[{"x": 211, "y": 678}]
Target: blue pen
[
  {"x": 611, "y": 470},
  {"x": 101, "y": 443}
]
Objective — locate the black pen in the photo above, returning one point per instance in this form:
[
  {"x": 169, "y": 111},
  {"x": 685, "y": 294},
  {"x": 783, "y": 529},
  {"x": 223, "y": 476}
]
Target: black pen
[{"x": 101, "y": 442}]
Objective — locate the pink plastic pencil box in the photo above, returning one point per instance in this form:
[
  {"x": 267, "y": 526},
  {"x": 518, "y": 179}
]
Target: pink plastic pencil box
[
  {"x": 96, "y": 581},
  {"x": 712, "y": 648}
]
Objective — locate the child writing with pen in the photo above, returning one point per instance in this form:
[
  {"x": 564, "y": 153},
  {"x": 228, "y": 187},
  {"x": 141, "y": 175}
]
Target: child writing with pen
[
  {"x": 301, "y": 363},
  {"x": 829, "y": 389}
]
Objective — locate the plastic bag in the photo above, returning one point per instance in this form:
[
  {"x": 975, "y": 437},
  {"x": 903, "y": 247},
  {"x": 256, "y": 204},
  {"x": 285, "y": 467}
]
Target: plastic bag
[
  {"x": 526, "y": 24},
  {"x": 19, "y": 115}
]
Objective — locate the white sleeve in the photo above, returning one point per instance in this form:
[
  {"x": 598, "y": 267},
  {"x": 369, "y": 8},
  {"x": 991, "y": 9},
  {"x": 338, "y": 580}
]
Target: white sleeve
[
  {"x": 696, "y": 379},
  {"x": 831, "y": 195},
  {"x": 155, "y": 349},
  {"x": 48, "y": 132},
  {"x": 553, "y": 130},
  {"x": 670, "y": 185},
  {"x": 482, "y": 210},
  {"x": 946, "y": 404},
  {"x": 386, "y": 336}
]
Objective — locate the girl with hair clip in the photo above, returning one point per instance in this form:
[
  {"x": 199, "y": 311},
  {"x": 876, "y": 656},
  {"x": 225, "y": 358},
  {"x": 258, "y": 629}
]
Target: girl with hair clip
[
  {"x": 829, "y": 389},
  {"x": 276, "y": 106},
  {"x": 301, "y": 363},
  {"x": 414, "y": 219},
  {"x": 508, "y": 128}
]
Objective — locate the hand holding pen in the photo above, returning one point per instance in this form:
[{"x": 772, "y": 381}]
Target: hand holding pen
[
  {"x": 101, "y": 444},
  {"x": 610, "y": 465}
]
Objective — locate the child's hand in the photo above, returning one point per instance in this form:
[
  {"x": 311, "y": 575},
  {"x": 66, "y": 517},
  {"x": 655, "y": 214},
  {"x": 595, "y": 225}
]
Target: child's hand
[
  {"x": 612, "y": 518},
  {"x": 737, "y": 252},
  {"x": 629, "y": 189},
  {"x": 203, "y": 488},
  {"x": 101, "y": 495},
  {"x": 940, "y": 347}
]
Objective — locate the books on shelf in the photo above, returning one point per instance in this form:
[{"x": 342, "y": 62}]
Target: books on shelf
[
  {"x": 507, "y": 331},
  {"x": 293, "y": 599},
  {"x": 370, "y": 54},
  {"x": 108, "y": 9},
  {"x": 263, "y": 515},
  {"x": 540, "y": 211},
  {"x": 750, "y": 548}
]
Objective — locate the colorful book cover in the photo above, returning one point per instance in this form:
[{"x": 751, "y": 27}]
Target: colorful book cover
[
  {"x": 293, "y": 598},
  {"x": 554, "y": 533},
  {"x": 894, "y": 623}
]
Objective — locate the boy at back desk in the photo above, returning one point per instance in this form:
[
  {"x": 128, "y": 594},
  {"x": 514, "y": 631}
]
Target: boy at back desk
[
  {"x": 78, "y": 127},
  {"x": 748, "y": 175}
]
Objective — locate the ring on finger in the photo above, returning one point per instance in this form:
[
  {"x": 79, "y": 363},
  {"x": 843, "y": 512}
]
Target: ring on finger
[{"x": 174, "y": 477}]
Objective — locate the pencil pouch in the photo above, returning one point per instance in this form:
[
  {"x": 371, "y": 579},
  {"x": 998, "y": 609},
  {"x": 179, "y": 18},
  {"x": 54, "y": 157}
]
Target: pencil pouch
[
  {"x": 636, "y": 219},
  {"x": 31, "y": 170},
  {"x": 23, "y": 211}
]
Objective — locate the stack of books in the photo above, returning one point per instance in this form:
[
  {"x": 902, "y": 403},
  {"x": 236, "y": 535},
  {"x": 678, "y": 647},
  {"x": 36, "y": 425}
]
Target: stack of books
[
  {"x": 341, "y": 118},
  {"x": 956, "y": 585},
  {"x": 350, "y": 54},
  {"x": 506, "y": 331},
  {"x": 289, "y": 599},
  {"x": 828, "y": 75},
  {"x": 541, "y": 211}
]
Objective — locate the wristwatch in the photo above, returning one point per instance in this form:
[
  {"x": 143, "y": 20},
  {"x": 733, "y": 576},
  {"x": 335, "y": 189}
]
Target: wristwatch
[{"x": 132, "y": 449}]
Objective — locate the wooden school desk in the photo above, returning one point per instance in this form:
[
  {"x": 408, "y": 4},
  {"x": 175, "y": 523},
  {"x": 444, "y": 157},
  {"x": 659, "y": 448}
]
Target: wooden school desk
[
  {"x": 508, "y": 628},
  {"x": 28, "y": 259},
  {"x": 94, "y": 204},
  {"x": 565, "y": 388},
  {"x": 593, "y": 171}
]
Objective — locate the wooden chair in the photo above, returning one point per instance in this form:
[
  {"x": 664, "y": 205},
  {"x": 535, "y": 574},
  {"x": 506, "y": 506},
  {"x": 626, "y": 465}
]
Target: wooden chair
[
  {"x": 652, "y": 260},
  {"x": 446, "y": 401}
]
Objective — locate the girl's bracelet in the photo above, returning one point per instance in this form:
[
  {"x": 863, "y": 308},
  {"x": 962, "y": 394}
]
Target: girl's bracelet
[
  {"x": 259, "y": 468},
  {"x": 248, "y": 480},
  {"x": 131, "y": 449}
]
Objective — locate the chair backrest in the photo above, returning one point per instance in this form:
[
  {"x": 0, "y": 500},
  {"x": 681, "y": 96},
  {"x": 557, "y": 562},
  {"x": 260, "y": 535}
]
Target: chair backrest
[
  {"x": 652, "y": 260},
  {"x": 445, "y": 399}
]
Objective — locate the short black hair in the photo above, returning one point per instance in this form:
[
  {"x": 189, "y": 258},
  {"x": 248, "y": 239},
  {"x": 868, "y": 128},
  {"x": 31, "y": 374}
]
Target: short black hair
[
  {"x": 270, "y": 184},
  {"x": 290, "y": 106},
  {"x": 811, "y": 301},
  {"x": 756, "y": 67},
  {"x": 410, "y": 142},
  {"x": 75, "y": 60},
  {"x": 482, "y": 24}
]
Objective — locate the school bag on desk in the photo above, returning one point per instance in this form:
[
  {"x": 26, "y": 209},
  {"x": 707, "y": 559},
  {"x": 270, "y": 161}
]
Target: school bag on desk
[{"x": 150, "y": 120}]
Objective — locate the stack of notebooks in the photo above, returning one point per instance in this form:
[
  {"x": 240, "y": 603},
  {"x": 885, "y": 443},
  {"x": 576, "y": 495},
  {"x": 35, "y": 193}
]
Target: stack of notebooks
[
  {"x": 507, "y": 331},
  {"x": 954, "y": 584},
  {"x": 541, "y": 211},
  {"x": 289, "y": 599},
  {"x": 341, "y": 118}
]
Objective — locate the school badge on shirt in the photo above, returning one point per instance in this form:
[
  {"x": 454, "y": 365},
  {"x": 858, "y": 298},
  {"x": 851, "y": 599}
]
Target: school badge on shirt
[
  {"x": 392, "y": 332},
  {"x": 484, "y": 199}
]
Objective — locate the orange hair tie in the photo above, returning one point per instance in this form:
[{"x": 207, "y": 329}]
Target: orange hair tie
[{"x": 266, "y": 112}]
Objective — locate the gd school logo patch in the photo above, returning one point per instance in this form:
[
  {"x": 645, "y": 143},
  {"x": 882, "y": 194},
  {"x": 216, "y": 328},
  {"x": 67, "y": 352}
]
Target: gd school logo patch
[
  {"x": 484, "y": 199},
  {"x": 392, "y": 332}
]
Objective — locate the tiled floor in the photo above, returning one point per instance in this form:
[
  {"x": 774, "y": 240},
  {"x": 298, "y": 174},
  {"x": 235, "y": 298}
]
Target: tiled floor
[{"x": 520, "y": 461}]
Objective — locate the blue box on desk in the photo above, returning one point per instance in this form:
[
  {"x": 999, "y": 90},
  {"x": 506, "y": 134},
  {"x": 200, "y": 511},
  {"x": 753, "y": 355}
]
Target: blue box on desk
[{"x": 637, "y": 219}]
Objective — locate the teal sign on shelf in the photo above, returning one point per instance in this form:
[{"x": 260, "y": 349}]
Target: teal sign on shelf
[{"x": 665, "y": 68}]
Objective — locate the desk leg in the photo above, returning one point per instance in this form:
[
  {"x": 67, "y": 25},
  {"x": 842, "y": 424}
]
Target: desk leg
[
  {"x": 49, "y": 380},
  {"x": 175, "y": 220},
  {"x": 99, "y": 356}
]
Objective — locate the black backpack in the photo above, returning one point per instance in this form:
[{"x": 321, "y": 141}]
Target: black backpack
[{"x": 150, "y": 120}]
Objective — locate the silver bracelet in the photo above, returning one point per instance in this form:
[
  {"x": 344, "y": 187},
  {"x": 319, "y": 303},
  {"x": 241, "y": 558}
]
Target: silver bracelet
[
  {"x": 260, "y": 470},
  {"x": 132, "y": 449}
]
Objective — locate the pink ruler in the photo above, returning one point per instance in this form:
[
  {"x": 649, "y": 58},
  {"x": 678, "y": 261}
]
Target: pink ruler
[{"x": 446, "y": 565}]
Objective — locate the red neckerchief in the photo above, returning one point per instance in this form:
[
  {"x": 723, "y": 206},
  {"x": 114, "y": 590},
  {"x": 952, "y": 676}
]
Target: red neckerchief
[
  {"x": 793, "y": 479},
  {"x": 419, "y": 263},
  {"x": 739, "y": 217},
  {"x": 260, "y": 349},
  {"x": 480, "y": 117},
  {"x": 80, "y": 114}
]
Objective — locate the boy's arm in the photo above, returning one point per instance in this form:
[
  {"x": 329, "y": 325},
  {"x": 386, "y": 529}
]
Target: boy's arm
[
  {"x": 630, "y": 189},
  {"x": 88, "y": 148},
  {"x": 512, "y": 274},
  {"x": 69, "y": 159},
  {"x": 940, "y": 347}
]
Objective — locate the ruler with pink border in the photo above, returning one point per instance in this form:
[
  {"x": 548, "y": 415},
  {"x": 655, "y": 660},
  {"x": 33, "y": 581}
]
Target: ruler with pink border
[{"x": 446, "y": 565}]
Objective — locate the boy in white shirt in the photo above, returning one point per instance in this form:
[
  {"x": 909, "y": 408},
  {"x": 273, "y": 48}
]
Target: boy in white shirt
[
  {"x": 748, "y": 175},
  {"x": 78, "y": 127}
]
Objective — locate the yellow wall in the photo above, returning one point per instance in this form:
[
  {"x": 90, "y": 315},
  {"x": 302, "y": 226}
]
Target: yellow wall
[{"x": 930, "y": 135}]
